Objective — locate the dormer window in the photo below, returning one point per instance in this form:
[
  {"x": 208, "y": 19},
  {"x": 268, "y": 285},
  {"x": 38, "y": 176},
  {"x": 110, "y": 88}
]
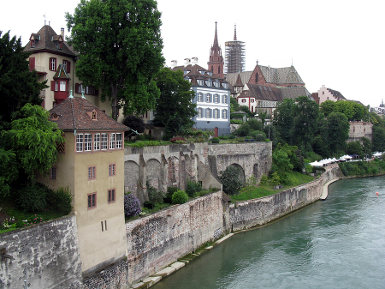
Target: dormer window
[
  {"x": 93, "y": 115},
  {"x": 186, "y": 72},
  {"x": 32, "y": 43},
  {"x": 225, "y": 85},
  {"x": 202, "y": 72},
  {"x": 209, "y": 83},
  {"x": 200, "y": 82}
]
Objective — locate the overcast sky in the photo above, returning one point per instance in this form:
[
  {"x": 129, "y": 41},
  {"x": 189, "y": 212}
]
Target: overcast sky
[{"x": 336, "y": 43}]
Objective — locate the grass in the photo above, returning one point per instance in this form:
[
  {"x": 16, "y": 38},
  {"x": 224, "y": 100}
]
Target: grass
[
  {"x": 253, "y": 192},
  {"x": 144, "y": 143}
]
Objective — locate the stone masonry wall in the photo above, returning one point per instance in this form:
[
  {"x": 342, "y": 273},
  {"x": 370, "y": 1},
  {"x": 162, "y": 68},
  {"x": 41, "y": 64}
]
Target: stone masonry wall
[
  {"x": 42, "y": 256},
  {"x": 160, "y": 239}
]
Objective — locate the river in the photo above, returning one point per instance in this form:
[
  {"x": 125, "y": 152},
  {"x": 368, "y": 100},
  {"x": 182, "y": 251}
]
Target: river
[{"x": 337, "y": 243}]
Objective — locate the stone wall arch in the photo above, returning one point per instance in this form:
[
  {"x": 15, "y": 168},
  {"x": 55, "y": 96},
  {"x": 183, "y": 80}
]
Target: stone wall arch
[
  {"x": 242, "y": 176},
  {"x": 131, "y": 176},
  {"x": 173, "y": 172},
  {"x": 153, "y": 174}
]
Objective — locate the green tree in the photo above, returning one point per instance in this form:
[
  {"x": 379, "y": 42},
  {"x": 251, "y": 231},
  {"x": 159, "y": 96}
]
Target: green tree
[
  {"x": 378, "y": 138},
  {"x": 120, "y": 50},
  {"x": 327, "y": 107},
  {"x": 234, "y": 106},
  {"x": 354, "y": 148},
  {"x": 18, "y": 85},
  {"x": 8, "y": 171},
  {"x": 281, "y": 163},
  {"x": 231, "y": 179},
  {"x": 306, "y": 115},
  {"x": 174, "y": 109},
  {"x": 33, "y": 139},
  {"x": 337, "y": 131},
  {"x": 284, "y": 120}
]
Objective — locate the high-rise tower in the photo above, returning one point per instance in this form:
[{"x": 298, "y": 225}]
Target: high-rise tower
[
  {"x": 235, "y": 54},
  {"x": 215, "y": 63}
]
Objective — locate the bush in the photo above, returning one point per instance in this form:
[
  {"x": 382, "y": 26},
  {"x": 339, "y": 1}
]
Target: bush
[
  {"x": 231, "y": 180},
  {"x": 33, "y": 198},
  {"x": 148, "y": 205},
  {"x": 264, "y": 180},
  {"x": 179, "y": 197},
  {"x": 215, "y": 140},
  {"x": 170, "y": 192},
  {"x": 135, "y": 123},
  {"x": 192, "y": 188},
  {"x": 153, "y": 195},
  {"x": 60, "y": 200},
  {"x": 131, "y": 205}
]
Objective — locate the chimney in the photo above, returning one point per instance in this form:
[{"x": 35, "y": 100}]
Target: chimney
[
  {"x": 187, "y": 61},
  {"x": 173, "y": 63},
  {"x": 194, "y": 60},
  {"x": 62, "y": 32}
]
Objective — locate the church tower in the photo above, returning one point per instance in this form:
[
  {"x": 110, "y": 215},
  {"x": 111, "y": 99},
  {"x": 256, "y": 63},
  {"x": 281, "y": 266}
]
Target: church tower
[
  {"x": 215, "y": 63},
  {"x": 235, "y": 55}
]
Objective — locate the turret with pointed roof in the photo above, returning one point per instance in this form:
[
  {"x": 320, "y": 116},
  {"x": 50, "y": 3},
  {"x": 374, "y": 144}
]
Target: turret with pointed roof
[{"x": 215, "y": 64}]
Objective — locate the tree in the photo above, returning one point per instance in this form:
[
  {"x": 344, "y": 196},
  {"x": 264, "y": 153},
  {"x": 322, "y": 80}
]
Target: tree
[
  {"x": 281, "y": 163},
  {"x": 378, "y": 138},
  {"x": 174, "y": 109},
  {"x": 234, "y": 106},
  {"x": 327, "y": 107},
  {"x": 337, "y": 131},
  {"x": 18, "y": 85},
  {"x": 284, "y": 120},
  {"x": 135, "y": 124},
  {"x": 33, "y": 139},
  {"x": 231, "y": 179},
  {"x": 120, "y": 50}
]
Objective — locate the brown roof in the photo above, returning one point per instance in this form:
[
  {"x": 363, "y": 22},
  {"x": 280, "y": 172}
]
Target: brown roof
[
  {"x": 337, "y": 94},
  {"x": 238, "y": 82},
  {"x": 76, "y": 114},
  {"x": 47, "y": 40},
  {"x": 262, "y": 92},
  {"x": 61, "y": 73}
]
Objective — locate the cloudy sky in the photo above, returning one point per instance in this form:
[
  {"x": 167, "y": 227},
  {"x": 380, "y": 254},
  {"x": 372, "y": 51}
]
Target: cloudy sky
[{"x": 336, "y": 43}]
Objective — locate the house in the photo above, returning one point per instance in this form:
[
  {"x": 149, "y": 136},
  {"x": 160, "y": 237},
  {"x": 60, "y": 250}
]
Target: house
[
  {"x": 212, "y": 97},
  {"x": 360, "y": 129},
  {"x": 264, "y": 87},
  {"x": 91, "y": 165},
  {"x": 325, "y": 94},
  {"x": 54, "y": 60}
]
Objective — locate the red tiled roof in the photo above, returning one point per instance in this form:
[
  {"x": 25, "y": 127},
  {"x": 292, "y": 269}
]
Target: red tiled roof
[{"x": 76, "y": 114}]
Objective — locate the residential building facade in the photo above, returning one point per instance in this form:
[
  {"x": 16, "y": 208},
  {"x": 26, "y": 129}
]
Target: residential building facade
[
  {"x": 324, "y": 94},
  {"x": 91, "y": 165}
]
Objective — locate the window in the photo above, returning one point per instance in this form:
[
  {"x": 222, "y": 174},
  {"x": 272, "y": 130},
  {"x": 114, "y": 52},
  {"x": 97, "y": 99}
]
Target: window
[
  {"x": 252, "y": 100},
  {"x": 112, "y": 170},
  {"x": 224, "y": 98},
  {"x": 52, "y": 64},
  {"x": 93, "y": 115},
  {"x": 79, "y": 142},
  {"x": 111, "y": 195},
  {"x": 96, "y": 141},
  {"x": 104, "y": 141},
  {"x": 208, "y": 113},
  {"x": 224, "y": 114},
  {"x": 53, "y": 173},
  {"x": 200, "y": 97},
  {"x": 216, "y": 113},
  {"x": 63, "y": 85},
  {"x": 67, "y": 66},
  {"x": 112, "y": 141},
  {"x": 200, "y": 82},
  {"x": 243, "y": 100},
  {"x": 91, "y": 200},
  {"x": 200, "y": 112},
  {"x": 118, "y": 140},
  {"x": 216, "y": 98},
  {"x": 87, "y": 142},
  {"x": 56, "y": 86},
  {"x": 208, "y": 97},
  {"x": 91, "y": 173}
]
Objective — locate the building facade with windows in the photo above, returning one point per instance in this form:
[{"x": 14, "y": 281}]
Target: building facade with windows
[
  {"x": 212, "y": 97},
  {"x": 54, "y": 61},
  {"x": 91, "y": 165}
]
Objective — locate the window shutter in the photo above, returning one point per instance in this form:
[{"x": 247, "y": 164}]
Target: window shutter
[
  {"x": 31, "y": 63},
  {"x": 53, "y": 85},
  {"x": 77, "y": 90},
  {"x": 68, "y": 67}
]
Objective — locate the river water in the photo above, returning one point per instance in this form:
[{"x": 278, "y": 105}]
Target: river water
[{"x": 337, "y": 243}]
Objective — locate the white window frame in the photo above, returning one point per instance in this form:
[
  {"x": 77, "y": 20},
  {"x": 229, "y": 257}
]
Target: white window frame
[
  {"x": 224, "y": 98},
  {"x": 200, "y": 112},
  {"x": 208, "y": 97},
  {"x": 224, "y": 113},
  {"x": 118, "y": 138},
  {"x": 104, "y": 141},
  {"x": 79, "y": 142},
  {"x": 87, "y": 142},
  {"x": 208, "y": 112},
  {"x": 112, "y": 141},
  {"x": 96, "y": 141},
  {"x": 63, "y": 85},
  {"x": 215, "y": 113},
  {"x": 216, "y": 98}
]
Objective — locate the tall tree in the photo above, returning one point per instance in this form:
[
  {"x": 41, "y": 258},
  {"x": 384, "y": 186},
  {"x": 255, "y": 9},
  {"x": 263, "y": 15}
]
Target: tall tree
[
  {"x": 337, "y": 131},
  {"x": 120, "y": 50},
  {"x": 284, "y": 120},
  {"x": 18, "y": 85},
  {"x": 174, "y": 108}
]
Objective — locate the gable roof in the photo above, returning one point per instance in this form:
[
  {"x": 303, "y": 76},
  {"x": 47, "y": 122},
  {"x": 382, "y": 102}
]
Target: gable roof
[
  {"x": 283, "y": 75},
  {"x": 336, "y": 94},
  {"x": 263, "y": 92},
  {"x": 61, "y": 73},
  {"x": 75, "y": 114},
  {"x": 47, "y": 40},
  {"x": 294, "y": 92},
  {"x": 233, "y": 77}
]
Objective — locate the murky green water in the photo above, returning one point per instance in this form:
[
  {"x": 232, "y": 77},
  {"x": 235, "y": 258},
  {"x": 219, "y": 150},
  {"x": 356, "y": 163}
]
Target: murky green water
[{"x": 337, "y": 243}]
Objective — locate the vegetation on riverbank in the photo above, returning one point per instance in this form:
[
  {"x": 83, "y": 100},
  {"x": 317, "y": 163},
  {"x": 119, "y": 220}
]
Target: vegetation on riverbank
[{"x": 363, "y": 168}]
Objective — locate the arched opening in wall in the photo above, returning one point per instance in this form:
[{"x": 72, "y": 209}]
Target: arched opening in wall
[
  {"x": 255, "y": 171},
  {"x": 153, "y": 176},
  {"x": 240, "y": 171},
  {"x": 131, "y": 176},
  {"x": 173, "y": 171}
]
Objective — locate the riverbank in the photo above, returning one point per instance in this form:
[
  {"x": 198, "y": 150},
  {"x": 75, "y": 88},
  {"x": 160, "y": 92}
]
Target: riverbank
[{"x": 233, "y": 218}]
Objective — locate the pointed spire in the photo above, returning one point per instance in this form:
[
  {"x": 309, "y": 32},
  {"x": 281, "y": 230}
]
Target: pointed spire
[
  {"x": 216, "y": 36},
  {"x": 235, "y": 32}
]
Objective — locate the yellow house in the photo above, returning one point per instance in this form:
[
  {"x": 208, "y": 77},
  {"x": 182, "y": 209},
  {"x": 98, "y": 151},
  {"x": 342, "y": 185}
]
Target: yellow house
[{"x": 91, "y": 165}]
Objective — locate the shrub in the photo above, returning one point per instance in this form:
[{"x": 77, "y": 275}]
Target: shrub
[
  {"x": 60, "y": 200},
  {"x": 131, "y": 205},
  {"x": 178, "y": 139},
  {"x": 192, "y": 188},
  {"x": 170, "y": 192},
  {"x": 148, "y": 205},
  {"x": 231, "y": 180},
  {"x": 32, "y": 198},
  {"x": 264, "y": 180},
  {"x": 179, "y": 197},
  {"x": 215, "y": 140},
  {"x": 153, "y": 195}
]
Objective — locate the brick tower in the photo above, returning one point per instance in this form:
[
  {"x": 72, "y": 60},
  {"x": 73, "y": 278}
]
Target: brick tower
[{"x": 215, "y": 63}]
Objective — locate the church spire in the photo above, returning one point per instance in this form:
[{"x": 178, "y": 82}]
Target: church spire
[
  {"x": 235, "y": 32},
  {"x": 215, "y": 64}
]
